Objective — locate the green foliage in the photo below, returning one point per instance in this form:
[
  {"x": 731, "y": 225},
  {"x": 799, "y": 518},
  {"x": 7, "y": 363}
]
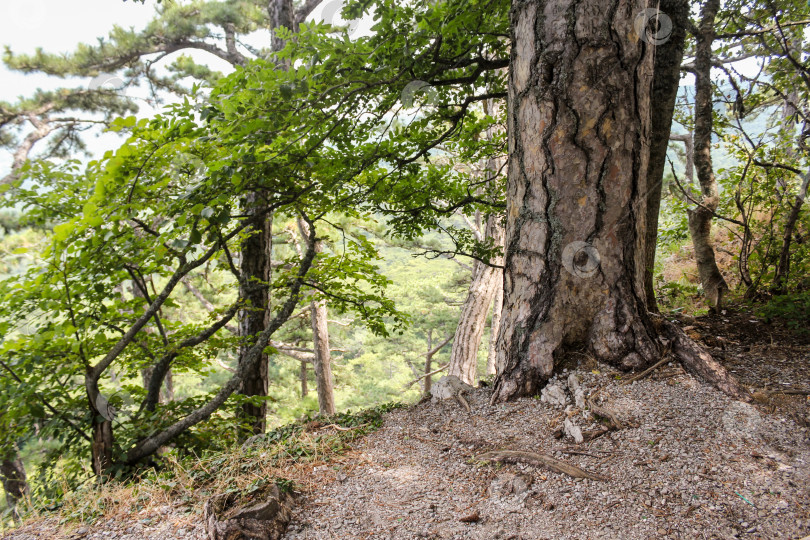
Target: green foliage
[
  {"x": 344, "y": 143},
  {"x": 677, "y": 296},
  {"x": 793, "y": 310}
]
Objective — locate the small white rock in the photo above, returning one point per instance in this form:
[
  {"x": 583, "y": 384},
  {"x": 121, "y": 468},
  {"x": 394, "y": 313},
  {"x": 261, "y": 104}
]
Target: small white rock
[
  {"x": 554, "y": 395},
  {"x": 572, "y": 430}
]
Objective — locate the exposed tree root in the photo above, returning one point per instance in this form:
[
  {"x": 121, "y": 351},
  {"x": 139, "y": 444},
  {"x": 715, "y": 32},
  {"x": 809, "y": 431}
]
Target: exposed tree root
[
  {"x": 451, "y": 386},
  {"x": 588, "y": 436},
  {"x": 540, "y": 460},
  {"x": 698, "y": 362},
  {"x": 665, "y": 336}
]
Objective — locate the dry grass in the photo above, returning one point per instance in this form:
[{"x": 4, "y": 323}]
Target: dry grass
[{"x": 285, "y": 456}]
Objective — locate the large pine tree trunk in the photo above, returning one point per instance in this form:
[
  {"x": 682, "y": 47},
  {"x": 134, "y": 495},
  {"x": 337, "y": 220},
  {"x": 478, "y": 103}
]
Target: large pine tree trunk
[
  {"x": 668, "y": 41},
  {"x": 483, "y": 286},
  {"x": 700, "y": 217},
  {"x": 579, "y": 125},
  {"x": 12, "y": 476}
]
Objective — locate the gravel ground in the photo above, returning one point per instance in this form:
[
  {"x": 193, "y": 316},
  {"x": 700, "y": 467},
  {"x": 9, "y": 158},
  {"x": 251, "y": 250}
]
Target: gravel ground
[
  {"x": 688, "y": 463},
  {"x": 693, "y": 464}
]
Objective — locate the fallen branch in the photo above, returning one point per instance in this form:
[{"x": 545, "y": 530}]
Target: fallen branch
[
  {"x": 647, "y": 371},
  {"x": 341, "y": 428},
  {"x": 434, "y": 372},
  {"x": 582, "y": 453},
  {"x": 789, "y": 392},
  {"x": 588, "y": 436},
  {"x": 463, "y": 402},
  {"x": 540, "y": 460}
]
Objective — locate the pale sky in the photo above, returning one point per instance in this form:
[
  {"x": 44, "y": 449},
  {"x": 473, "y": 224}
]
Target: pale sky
[{"x": 57, "y": 26}]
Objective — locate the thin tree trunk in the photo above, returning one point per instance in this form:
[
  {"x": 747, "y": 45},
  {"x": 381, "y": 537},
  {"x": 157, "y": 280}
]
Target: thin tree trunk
[
  {"x": 429, "y": 354},
  {"x": 322, "y": 362},
  {"x": 302, "y": 376},
  {"x": 15, "y": 484},
  {"x": 495, "y": 326},
  {"x": 428, "y": 382},
  {"x": 700, "y": 218},
  {"x": 780, "y": 281},
  {"x": 689, "y": 150},
  {"x": 579, "y": 126},
  {"x": 167, "y": 393},
  {"x": 666, "y": 78},
  {"x": 323, "y": 358},
  {"x": 152, "y": 443},
  {"x": 168, "y": 385},
  {"x": 103, "y": 442},
  {"x": 485, "y": 281}
]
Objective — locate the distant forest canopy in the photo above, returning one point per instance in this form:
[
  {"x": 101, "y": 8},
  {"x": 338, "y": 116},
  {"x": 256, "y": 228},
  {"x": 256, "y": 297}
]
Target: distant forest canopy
[{"x": 354, "y": 210}]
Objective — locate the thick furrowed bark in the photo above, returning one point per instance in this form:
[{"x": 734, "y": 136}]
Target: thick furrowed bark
[
  {"x": 666, "y": 77},
  {"x": 485, "y": 282},
  {"x": 700, "y": 218},
  {"x": 579, "y": 125},
  {"x": 579, "y": 128}
]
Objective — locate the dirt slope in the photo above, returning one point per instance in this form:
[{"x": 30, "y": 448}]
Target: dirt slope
[
  {"x": 695, "y": 465},
  {"x": 687, "y": 463}
]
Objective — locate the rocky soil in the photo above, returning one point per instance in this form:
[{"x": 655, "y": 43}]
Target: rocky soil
[
  {"x": 687, "y": 462},
  {"x": 690, "y": 464}
]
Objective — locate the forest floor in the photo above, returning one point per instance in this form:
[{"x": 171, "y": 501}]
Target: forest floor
[{"x": 687, "y": 462}]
